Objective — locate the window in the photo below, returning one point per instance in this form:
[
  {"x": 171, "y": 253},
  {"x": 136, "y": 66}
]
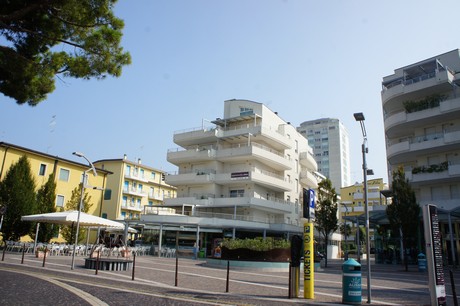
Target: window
[
  {"x": 138, "y": 203},
  {"x": 124, "y": 202},
  {"x": 246, "y": 111},
  {"x": 150, "y": 203},
  {"x": 64, "y": 175},
  {"x": 152, "y": 175},
  {"x": 42, "y": 170},
  {"x": 151, "y": 192},
  {"x": 140, "y": 188},
  {"x": 141, "y": 173},
  {"x": 127, "y": 170},
  {"x": 123, "y": 214},
  {"x": 126, "y": 186},
  {"x": 60, "y": 201},
  {"x": 237, "y": 193}
]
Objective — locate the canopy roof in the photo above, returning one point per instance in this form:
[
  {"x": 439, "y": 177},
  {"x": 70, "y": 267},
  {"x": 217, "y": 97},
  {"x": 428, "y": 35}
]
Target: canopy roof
[{"x": 69, "y": 217}]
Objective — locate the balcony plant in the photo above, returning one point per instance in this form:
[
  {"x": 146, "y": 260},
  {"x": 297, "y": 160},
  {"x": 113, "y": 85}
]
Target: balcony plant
[{"x": 426, "y": 103}]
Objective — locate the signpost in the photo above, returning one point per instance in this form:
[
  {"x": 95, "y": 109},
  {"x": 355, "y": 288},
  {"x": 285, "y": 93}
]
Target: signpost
[
  {"x": 309, "y": 263},
  {"x": 434, "y": 255},
  {"x": 308, "y": 238}
]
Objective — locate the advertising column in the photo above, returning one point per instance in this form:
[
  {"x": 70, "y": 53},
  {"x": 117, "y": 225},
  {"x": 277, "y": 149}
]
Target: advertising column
[{"x": 434, "y": 255}]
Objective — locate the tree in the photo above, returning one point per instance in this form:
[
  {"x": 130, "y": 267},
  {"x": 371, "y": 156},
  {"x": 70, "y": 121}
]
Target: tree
[
  {"x": 17, "y": 196},
  {"x": 86, "y": 31},
  {"x": 326, "y": 211},
  {"x": 46, "y": 199},
  {"x": 68, "y": 231},
  {"x": 404, "y": 212}
]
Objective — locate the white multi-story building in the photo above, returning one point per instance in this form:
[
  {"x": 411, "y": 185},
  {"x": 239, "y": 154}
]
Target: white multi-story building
[
  {"x": 328, "y": 138},
  {"x": 242, "y": 177},
  {"x": 421, "y": 108}
]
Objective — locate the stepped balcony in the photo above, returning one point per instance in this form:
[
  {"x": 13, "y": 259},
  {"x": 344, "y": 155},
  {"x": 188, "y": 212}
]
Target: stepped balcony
[
  {"x": 196, "y": 136},
  {"x": 308, "y": 161},
  {"x": 255, "y": 175},
  {"x": 271, "y": 205},
  {"x": 308, "y": 179},
  {"x": 394, "y": 92},
  {"x": 198, "y": 154},
  {"x": 399, "y": 122},
  {"x": 403, "y": 151},
  {"x": 441, "y": 173}
]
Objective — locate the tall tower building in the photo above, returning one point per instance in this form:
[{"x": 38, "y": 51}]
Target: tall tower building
[
  {"x": 329, "y": 139},
  {"x": 421, "y": 110}
]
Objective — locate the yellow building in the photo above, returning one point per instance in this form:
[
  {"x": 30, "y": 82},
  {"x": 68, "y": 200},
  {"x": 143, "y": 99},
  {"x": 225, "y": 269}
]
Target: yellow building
[
  {"x": 352, "y": 203},
  {"x": 68, "y": 174},
  {"x": 133, "y": 188}
]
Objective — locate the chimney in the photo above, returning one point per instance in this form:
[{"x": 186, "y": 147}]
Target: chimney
[
  {"x": 125, "y": 157},
  {"x": 139, "y": 161}
]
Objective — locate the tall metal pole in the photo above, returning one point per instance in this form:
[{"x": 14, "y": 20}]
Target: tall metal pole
[
  {"x": 83, "y": 182},
  {"x": 366, "y": 207},
  {"x": 360, "y": 117}
]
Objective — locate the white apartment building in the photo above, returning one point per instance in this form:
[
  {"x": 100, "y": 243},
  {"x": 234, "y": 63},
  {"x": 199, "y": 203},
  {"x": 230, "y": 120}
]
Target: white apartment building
[
  {"x": 329, "y": 140},
  {"x": 242, "y": 177},
  {"x": 421, "y": 109}
]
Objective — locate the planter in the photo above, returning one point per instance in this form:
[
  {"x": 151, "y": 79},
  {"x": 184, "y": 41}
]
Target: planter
[
  {"x": 125, "y": 253},
  {"x": 274, "y": 255},
  {"x": 41, "y": 254}
]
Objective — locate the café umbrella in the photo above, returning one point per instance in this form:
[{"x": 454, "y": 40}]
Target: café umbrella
[{"x": 70, "y": 218}]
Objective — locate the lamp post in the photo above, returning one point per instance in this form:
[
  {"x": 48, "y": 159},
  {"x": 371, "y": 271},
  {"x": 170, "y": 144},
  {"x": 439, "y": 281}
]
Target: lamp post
[
  {"x": 345, "y": 228},
  {"x": 360, "y": 117},
  {"x": 82, "y": 195}
]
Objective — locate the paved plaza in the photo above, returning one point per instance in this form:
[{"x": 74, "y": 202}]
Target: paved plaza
[{"x": 195, "y": 283}]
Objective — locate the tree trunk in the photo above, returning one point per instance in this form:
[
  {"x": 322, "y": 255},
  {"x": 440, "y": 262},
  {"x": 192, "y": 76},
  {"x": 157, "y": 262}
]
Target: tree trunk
[{"x": 325, "y": 253}]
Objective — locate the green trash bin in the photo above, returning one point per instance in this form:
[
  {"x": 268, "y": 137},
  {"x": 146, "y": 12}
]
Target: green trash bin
[{"x": 351, "y": 282}]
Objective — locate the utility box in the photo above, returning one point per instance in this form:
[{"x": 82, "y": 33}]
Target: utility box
[
  {"x": 421, "y": 262},
  {"x": 351, "y": 282}
]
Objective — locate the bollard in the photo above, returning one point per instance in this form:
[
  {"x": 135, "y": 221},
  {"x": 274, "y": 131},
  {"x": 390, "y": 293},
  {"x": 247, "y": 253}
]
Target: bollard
[
  {"x": 97, "y": 262},
  {"x": 351, "y": 282},
  {"x": 228, "y": 276},
  {"x": 134, "y": 263},
  {"x": 23, "y": 251},
  {"x": 44, "y": 256},
  {"x": 4, "y": 250},
  {"x": 177, "y": 268}
]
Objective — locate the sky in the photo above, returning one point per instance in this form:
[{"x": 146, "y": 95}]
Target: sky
[{"x": 303, "y": 59}]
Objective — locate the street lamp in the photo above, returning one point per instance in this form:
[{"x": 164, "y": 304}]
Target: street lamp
[
  {"x": 360, "y": 117},
  {"x": 83, "y": 184}
]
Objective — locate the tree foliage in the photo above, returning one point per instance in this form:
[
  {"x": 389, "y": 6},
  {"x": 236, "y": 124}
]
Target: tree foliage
[
  {"x": 18, "y": 198},
  {"x": 404, "y": 212},
  {"x": 86, "y": 31},
  {"x": 326, "y": 210},
  {"x": 68, "y": 231},
  {"x": 46, "y": 199}
]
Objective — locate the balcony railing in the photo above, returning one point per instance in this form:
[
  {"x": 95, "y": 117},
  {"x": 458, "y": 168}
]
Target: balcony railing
[{"x": 134, "y": 191}]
